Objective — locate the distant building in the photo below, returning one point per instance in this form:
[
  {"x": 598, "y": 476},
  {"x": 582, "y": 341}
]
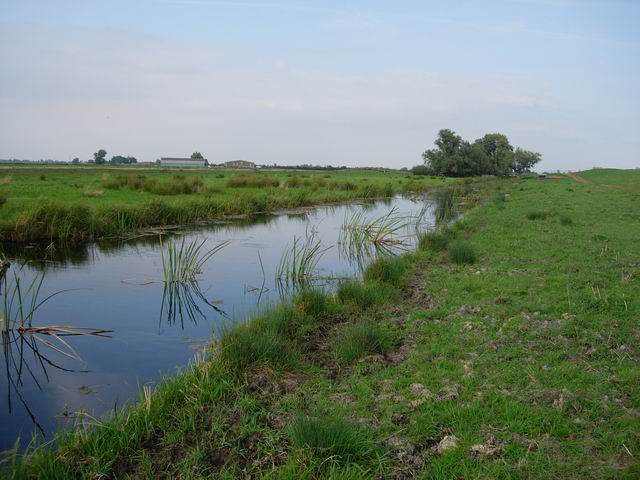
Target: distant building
[
  {"x": 183, "y": 162},
  {"x": 239, "y": 164}
]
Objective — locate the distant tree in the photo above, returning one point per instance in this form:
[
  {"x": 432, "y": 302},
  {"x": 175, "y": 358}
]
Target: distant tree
[
  {"x": 447, "y": 158},
  {"x": 99, "y": 156},
  {"x": 420, "y": 170},
  {"x": 524, "y": 160},
  {"x": 489, "y": 155},
  {"x": 75, "y": 161},
  {"x": 499, "y": 151},
  {"x": 196, "y": 155}
]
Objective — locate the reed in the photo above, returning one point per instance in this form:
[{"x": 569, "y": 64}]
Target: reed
[
  {"x": 299, "y": 261},
  {"x": 362, "y": 238},
  {"x": 448, "y": 206},
  {"x": 183, "y": 261}
]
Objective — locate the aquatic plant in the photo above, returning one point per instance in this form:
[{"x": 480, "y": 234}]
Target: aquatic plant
[
  {"x": 20, "y": 336},
  {"x": 183, "y": 261},
  {"x": 447, "y": 205},
  {"x": 299, "y": 260},
  {"x": 361, "y": 237},
  {"x": 19, "y": 305}
]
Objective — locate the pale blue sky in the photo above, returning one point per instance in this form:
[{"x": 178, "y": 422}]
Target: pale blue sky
[{"x": 343, "y": 83}]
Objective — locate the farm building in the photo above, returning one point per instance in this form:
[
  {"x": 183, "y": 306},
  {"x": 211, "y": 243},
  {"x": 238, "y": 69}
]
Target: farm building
[
  {"x": 239, "y": 164},
  {"x": 183, "y": 162}
]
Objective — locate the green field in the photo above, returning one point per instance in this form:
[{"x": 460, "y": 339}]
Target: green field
[
  {"x": 506, "y": 347},
  {"x": 81, "y": 203}
]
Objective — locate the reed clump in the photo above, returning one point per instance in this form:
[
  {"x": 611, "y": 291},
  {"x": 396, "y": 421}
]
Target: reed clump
[
  {"x": 183, "y": 261},
  {"x": 299, "y": 261}
]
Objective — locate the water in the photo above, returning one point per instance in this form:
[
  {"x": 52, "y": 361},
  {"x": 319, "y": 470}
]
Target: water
[{"x": 119, "y": 286}]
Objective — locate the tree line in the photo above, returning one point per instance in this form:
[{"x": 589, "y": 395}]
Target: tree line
[{"x": 489, "y": 155}]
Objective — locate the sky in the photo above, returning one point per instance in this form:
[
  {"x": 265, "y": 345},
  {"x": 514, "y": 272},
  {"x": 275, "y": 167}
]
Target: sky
[{"x": 355, "y": 83}]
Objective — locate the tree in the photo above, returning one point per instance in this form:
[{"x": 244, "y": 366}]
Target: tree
[
  {"x": 196, "y": 155},
  {"x": 99, "y": 156},
  {"x": 421, "y": 170},
  {"x": 524, "y": 160},
  {"x": 447, "y": 159},
  {"x": 489, "y": 155},
  {"x": 499, "y": 151},
  {"x": 75, "y": 161}
]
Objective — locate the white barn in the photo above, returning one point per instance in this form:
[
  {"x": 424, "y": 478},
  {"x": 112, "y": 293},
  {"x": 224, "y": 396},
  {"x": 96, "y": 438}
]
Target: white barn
[{"x": 183, "y": 162}]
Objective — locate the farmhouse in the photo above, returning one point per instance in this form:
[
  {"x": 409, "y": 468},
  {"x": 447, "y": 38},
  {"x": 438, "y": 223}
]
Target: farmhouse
[
  {"x": 183, "y": 162},
  {"x": 239, "y": 164}
]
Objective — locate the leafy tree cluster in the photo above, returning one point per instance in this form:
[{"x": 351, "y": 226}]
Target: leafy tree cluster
[
  {"x": 100, "y": 157},
  {"x": 489, "y": 155}
]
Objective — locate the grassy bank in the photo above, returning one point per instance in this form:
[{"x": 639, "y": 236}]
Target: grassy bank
[
  {"x": 507, "y": 347},
  {"x": 82, "y": 203}
]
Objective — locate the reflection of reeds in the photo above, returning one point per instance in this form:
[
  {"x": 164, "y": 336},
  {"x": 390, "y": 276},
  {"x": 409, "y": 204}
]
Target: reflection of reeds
[
  {"x": 20, "y": 336},
  {"x": 183, "y": 261},
  {"x": 181, "y": 300},
  {"x": 299, "y": 261}
]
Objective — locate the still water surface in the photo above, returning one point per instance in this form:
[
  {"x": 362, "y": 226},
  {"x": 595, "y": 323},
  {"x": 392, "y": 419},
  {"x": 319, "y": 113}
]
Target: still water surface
[{"x": 119, "y": 287}]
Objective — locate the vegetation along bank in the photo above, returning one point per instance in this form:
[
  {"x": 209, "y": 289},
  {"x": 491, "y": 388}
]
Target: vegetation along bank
[
  {"x": 75, "y": 204},
  {"x": 505, "y": 347}
]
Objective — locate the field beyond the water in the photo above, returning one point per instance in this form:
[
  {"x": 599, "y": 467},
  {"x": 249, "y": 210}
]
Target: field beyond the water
[
  {"x": 507, "y": 346},
  {"x": 71, "y": 203}
]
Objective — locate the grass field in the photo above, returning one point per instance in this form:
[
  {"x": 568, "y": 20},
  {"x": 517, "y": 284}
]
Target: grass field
[
  {"x": 80, "y": 203},
  {"x": 507, "y": 347}
]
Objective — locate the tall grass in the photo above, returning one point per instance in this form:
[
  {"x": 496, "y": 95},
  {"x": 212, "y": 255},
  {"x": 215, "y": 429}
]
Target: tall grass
[
  {"x": 265, "y": 339},
  {"x": 462, "y": 252},
  {"x": 331, "y": 438},
  {"x": 435, "y": 240},
  {"x": 183, "y": 261},
  {"x": 389, "y": 270},
  {"x": 537, "y": 215},
  {"x": 176, "y": 185},
  {"x": 363, "y": 338},
  {"x": 253, "y": 181},
  {"x": 363, "y": 295}
]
